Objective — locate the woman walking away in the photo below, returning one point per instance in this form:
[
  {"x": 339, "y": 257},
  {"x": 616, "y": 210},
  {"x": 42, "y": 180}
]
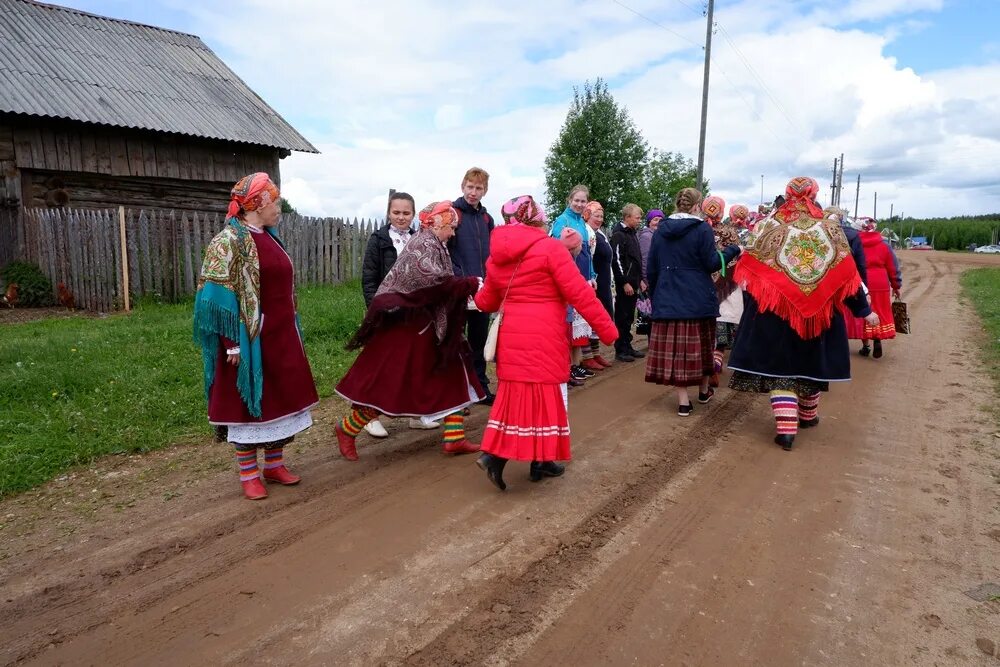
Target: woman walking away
[
  {"x": 415, "y": 361},
  {"x": 384, "y": 246},
  {"x": 682, "y": 259},
  {"x": 792, "y": 340},
  {"x": 531, "y": 279},
  {"x": 593, "y": 215},
  {"x": 883, "y": 276},
  {"x": 257, "y": 377}
]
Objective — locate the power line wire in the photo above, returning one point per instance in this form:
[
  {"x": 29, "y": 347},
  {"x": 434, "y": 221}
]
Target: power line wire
[{"x": 658, "y": 24}]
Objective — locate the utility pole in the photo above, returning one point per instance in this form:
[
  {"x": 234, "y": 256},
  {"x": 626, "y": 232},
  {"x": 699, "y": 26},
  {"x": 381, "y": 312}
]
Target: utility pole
[
  {"x": 704, "y": 95},
  {"x": 762, "y": 188},
  {"x": 875, "y": 210},
  {"x": 840, "y": 180},
  {"x": 833, "y": 185},
  {"x": 857, "y": 193}
]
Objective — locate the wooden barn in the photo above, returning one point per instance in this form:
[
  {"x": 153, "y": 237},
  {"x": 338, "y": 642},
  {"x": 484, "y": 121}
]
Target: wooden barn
[{"x": 98, "y": 112}]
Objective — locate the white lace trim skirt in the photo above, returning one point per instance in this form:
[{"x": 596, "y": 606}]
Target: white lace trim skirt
[{"x": 272, "y": 431}]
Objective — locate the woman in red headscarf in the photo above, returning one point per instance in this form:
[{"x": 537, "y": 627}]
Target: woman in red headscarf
[
  {"x": 415, "y": 361},
  {"x": 883, "y": 278},
  {"x": 257, "y": 377},
  {"x": 792, "y": 340}
]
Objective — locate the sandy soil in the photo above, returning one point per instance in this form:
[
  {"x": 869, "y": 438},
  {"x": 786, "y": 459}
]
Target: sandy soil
[{"x": 669, "y": 541}]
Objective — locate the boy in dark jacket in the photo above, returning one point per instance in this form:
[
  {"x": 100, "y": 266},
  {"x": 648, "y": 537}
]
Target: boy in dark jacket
[
  {"x": 626, "y": 263},
  {"x": 470, "y": 248}
]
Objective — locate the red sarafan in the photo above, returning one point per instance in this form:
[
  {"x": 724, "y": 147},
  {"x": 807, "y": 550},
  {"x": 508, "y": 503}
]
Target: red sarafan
[
  {"x": 66, "y": 296},
  {"x": 9, "y": 300}
]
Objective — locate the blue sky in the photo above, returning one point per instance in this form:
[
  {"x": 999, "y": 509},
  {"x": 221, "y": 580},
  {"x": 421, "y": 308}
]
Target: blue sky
[{"x": 908, "y": 89}]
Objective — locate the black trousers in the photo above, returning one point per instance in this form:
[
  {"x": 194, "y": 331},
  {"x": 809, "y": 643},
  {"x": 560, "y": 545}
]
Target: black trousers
[
  {"x": 624, "y": 316},
  {"x": 477, "y": 329}
]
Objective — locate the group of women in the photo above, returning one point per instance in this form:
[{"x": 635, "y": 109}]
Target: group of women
[{"x": 788, "y": 293}]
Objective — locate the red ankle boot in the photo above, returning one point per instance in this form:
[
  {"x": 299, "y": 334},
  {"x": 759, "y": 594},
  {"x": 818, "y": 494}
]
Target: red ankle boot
[
  {"x": 460, "y": 447},
  {"x": 592, "y": 364},
  {"x": 253, "y": 489},
  {"x": 281, "y": 475},
  {"x": 602, "y": 361},
  {"x": 346, "y": 444}
]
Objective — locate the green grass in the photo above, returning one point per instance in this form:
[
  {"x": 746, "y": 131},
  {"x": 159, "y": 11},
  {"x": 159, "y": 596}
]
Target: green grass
[
  {"x": 982, "y": 286},
  {"x": 75, "y": 389}
]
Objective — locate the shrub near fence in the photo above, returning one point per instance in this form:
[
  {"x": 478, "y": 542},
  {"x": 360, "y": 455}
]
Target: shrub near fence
[{"x": 164, "y": 250}]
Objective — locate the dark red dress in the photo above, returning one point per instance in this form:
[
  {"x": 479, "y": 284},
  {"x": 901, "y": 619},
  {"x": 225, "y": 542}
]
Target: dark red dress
[{"x": 288, "y": 382}]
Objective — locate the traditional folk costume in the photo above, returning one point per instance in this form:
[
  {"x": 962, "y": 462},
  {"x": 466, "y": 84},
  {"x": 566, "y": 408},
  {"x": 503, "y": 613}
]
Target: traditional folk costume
[
  {"x": 883, "y": 278},
  {"x": 792, "y": 340},
  {"x": 245, "y": 305},
  {"x": 531, "y": 278},
  {"x": 415, "y": 361}
]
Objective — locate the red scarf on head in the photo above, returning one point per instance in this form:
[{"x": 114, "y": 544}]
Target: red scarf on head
[
  {"x": 251, "y": 193},
  {"x": 798, "y": 264}
]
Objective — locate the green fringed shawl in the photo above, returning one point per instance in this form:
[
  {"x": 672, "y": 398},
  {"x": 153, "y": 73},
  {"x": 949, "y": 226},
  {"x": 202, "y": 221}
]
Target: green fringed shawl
[{"x": 228, "y": 304}]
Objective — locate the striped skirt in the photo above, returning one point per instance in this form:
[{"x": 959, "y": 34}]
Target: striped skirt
[
  {"x": 528, "y": 422},
  {"x": 680, "y": 352}
]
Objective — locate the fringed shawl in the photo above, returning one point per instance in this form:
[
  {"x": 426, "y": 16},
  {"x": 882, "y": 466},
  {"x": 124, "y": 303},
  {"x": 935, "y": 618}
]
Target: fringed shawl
[
  {"x": 227, "y": 304},
  {"x": 799, "y": 266},
  {"x": 421, "y": 282}
]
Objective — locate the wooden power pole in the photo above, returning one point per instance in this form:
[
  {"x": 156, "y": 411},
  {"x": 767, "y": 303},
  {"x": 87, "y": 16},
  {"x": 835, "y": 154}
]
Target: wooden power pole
[{"x": 704, "y": 95}]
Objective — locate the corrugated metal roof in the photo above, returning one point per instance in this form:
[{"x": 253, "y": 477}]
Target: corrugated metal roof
[{"x": 64, "y": 63}]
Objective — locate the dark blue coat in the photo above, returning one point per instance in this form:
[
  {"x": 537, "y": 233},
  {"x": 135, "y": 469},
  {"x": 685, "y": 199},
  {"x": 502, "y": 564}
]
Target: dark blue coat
[
  {"x": 470, "y": 246},
  {"x": 682, "y": 259}
]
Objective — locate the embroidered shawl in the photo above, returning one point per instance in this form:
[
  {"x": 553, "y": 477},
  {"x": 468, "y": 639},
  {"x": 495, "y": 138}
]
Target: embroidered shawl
[
  {"x": 422, "y": 281},
  {"x": 227, "y": 304},
  {"x": 798, "y": 264}
]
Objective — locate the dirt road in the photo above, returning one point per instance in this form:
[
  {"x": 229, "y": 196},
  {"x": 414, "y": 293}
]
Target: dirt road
[{"x": 669, "y": 541}]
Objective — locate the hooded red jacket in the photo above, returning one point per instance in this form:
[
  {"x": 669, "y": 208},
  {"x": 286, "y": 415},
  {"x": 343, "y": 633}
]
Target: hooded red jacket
[
  {"x": 878, "y": 258},
  {"x": 533, "y": 344}
]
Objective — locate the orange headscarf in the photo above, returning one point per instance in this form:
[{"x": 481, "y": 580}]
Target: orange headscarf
[
  {"x": 437, "y": 213},
  {"x": 590, "y": 208},
  {"x": 251, "y": 193}
]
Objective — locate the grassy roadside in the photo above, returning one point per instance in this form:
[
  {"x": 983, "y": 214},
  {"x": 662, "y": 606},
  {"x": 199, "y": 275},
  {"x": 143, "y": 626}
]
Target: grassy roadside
[
  {"x": 982, "y": 287},
  {"x": 74, "y": 389}
]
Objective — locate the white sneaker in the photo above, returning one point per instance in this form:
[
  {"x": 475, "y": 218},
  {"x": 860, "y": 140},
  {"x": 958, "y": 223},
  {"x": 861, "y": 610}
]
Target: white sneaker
[
  {"x": 416, "y": 423},
  {"x": 376, "y": 430}
]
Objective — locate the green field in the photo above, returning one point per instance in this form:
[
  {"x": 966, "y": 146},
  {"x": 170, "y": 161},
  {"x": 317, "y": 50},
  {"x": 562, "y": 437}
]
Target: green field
[
  {"x": 74, "y": 389},
  {"x": 948, "y": 233},
  {"x": 982, "y": 286}
]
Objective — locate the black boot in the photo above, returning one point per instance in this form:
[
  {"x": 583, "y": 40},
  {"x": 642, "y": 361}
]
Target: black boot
[
  {"x": 865, "y": 350},
  {"x": 877, "y": 349},
  {"x": 809, "y": 423},
  {"x": 785, "y": 441},
  {"x": 541, "y": 469},
  {"x": 493, "y": 465}
]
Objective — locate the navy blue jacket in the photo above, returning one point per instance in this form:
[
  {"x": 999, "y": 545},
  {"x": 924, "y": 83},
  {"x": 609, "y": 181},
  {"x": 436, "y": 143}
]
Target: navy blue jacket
[
  {"x": 470, "y": 246},
  {"x": 682, "y": 259}
]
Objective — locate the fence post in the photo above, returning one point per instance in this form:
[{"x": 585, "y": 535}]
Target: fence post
[{"x": 124, "y": 243}]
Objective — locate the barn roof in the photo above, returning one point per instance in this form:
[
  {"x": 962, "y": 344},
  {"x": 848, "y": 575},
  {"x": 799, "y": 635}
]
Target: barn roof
[{"x": 63, "y": 63}]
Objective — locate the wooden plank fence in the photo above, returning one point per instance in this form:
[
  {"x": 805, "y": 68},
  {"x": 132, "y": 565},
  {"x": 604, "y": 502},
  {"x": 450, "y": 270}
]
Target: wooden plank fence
[{"x": 82, "y": 249}]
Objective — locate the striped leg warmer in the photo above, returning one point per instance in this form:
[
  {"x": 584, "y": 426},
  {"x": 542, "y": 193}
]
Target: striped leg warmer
[
  {"x": 454, "y": 427},
  {"x": 595, "y": 347},
  {"x": 718, "y": 356},
  {"x": 785, "y": 406},
  {"x": 274, "y": 458},
  {"x": 246, "y": 459},
  {"x": 354, "y": 422},
  {"x": 808, "y": 406}
]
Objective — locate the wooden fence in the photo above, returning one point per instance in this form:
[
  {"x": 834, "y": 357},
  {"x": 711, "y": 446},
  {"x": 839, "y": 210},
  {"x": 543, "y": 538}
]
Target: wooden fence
[{"x": 163, "y": 250}]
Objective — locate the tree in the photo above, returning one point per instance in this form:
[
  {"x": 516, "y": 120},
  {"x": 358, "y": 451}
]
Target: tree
[
  {"x": 666, "y": 174},
  {"x": 600, "y": 147}
]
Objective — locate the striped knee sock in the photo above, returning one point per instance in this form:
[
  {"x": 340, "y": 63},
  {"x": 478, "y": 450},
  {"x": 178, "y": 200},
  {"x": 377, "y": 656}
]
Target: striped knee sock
[
  {"x": 274, "y": 458},
  {"x": 454, "y": 427},
  {"x": 595, "y": 346},
  {"x": 808, "y": 406},
  {"x": 785, "y": 406},
  {"x": 354, "y": 422},
  {"x": 718, "y": 356},
  {"x": 247, "y": 461}
]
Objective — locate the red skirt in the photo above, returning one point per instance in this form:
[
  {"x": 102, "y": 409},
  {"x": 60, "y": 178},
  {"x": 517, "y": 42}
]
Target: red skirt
[
  {"x": 680, "y": 352},
  {"x": 858, "y": 329},
  {"x": 528, "y": 422}
]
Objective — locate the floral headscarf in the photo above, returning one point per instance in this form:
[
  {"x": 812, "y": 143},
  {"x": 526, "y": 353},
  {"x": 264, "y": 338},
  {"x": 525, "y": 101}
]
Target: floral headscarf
[
  {"x": 738, "y": 214},
  {"x": 800, "y": 194},
  {"x": 251, "y": 193},
  {"x": 522, "y": 210},
  {"x": 714, "y": 208},
  {"x": 590, "y": 208},
  {"x": 437, "y": 213}
]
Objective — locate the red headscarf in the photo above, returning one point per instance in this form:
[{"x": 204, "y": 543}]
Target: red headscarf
[
  {"x": 437, "y": 213},
  {"x": 800, "y": 194},
  {"x": 714, "y": 208},
  {"x": 523, "y": 209},
  {"x": 251, "y": 193},
  {"x": 738, "y": 214}
]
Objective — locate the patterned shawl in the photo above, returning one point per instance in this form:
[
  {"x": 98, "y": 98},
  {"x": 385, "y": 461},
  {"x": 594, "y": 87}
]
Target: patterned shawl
[
  {"x": 227, "y": 304},
  {"x": 422, "y": 281},
  {"x": 798, "y": 264}
]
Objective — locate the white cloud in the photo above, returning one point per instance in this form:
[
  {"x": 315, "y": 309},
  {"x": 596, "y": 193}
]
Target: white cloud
[{"x": 410, "y": 94}]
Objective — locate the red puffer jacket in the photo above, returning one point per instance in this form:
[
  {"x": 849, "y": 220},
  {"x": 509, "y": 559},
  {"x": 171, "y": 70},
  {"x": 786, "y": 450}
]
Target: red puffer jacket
[
  {"x": 878, "y": 259},
  {"x": 533, "y": 345}
]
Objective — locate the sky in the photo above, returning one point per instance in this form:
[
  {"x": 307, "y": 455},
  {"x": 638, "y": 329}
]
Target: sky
[{"x": 408, "y": 94}]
